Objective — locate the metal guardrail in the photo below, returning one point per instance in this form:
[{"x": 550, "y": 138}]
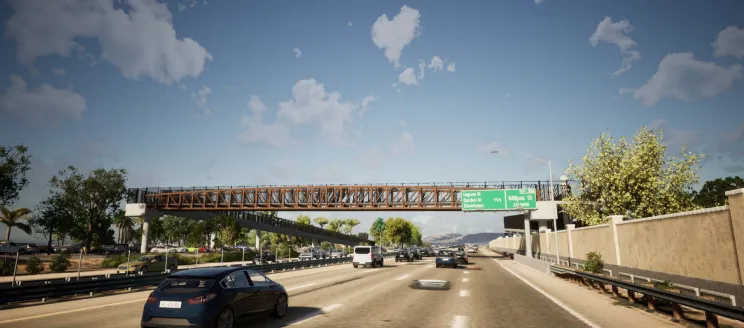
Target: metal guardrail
[
  {"x": 52, "y": 288},
  {"x": 711, "y": 308}
]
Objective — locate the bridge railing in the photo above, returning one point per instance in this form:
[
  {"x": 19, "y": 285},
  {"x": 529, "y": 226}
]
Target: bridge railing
[
  {"x": 139, "y": 195},
  {"x": 289, "y": 224}
]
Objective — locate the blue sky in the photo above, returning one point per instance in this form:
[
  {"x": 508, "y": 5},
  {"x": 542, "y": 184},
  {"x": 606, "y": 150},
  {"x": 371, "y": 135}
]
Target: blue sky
[{"x": 214, "y": 93}]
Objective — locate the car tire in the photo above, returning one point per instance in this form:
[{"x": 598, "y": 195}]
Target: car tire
[
  {"x": 229, "y": 317},
  {"x": 143, "y": 269},
  {"x": 454, "y": 266},
  {"x": 374, "y": 264},
  {"x": 437, "y": 266},
  {"x": 172, "y": 267},
  {"x": 382, "y": 262},
  {"x": 281, "y": 306},
  {"x": 356, "y": 265}
]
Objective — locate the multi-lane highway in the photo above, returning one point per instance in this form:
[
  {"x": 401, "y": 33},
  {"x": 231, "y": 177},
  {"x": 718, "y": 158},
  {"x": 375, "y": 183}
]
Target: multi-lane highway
[
  {"x": 480, "y": 295},
  {"x": 483, "y": 294}
]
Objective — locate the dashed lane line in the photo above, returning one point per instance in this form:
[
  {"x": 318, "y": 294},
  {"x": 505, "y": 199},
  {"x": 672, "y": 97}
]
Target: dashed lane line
[
  {"x": 465, "y": 279},
  {"x": 403, "y": 277},
  {"x": 459, "y": 321},
  {"x": 464, "y": 293}
]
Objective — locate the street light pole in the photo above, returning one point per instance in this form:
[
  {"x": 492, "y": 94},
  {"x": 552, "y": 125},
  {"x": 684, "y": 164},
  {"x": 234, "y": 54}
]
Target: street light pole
[{"x": 552, "y": 199}]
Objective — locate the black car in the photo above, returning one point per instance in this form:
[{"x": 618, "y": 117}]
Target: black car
[
  {"x": 213, "y": 297},
  {"x": 462, "y": 257},
  {"x": 265, "y": 257},
  {"x": 404, "y": 256}
]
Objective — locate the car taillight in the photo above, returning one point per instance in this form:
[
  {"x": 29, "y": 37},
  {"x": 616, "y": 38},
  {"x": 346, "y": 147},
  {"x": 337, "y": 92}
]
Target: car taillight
[
  {"x": 151, "y": 299},
  {"x": 202, "y": 299}
]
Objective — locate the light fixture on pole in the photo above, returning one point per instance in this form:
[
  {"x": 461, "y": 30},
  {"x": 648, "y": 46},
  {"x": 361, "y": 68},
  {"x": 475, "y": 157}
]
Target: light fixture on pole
[{"x": 552, "y": 198}]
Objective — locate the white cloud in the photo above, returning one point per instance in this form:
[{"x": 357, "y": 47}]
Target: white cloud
[
  {"x": 422, "y": 70},
  {"x": 371, "y": 159},
  {"x": 59, "y": 71},
  {"x": 297, "y": 52},
  {"x": 451, "y": 67},
  {"x": 311, "y": 103},
  {"x": 277, "y": 135},
  {"x": 681, "y": 76},
  {"x": 436, "y": 64},
  {"x": 407, "y": 77},
  {"x": 141, "y": 42},
  {"x": 617, "y": 33},
  {"x": 366, "y": 104},
  {"x": 676, "y": 138},
  {"x": 200, "y": 97},
  {"x": 393, "y": 35},
  {"x": 45, "y": 103},
  {"x": 350, "y": 24},
  {"x": 730, "y": 42},
  {"x": 403, "y": 145},
  {"x": 256, "y": 105}
]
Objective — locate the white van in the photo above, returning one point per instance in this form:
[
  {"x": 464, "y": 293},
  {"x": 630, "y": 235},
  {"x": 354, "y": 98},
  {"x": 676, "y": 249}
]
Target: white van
[{"x": 367, "y": 255}]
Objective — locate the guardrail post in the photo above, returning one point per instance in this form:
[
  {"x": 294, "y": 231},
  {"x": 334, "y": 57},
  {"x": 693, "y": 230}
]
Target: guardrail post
[
  {"x": 651, "y": 302},
  {"x": 15, "y": 267},
  {"x": 80, "y": 264},
  {"x": 677, "y": 312},
  {"x": 711, "y": 320},
  {"x": 631, "y": 296},
  {"x": 615, "y": 292},
  {"x": 569, "y": 228}
]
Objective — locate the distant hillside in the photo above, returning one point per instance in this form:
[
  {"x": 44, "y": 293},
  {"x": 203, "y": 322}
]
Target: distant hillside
[{"x": 456, "y": 238}]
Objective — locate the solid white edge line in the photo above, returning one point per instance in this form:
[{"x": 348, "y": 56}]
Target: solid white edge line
[
  {"x": 314, "y": 314},
  {"x": 550, "y": 297},
  {"x": 71, "y": 311},
  {"x": 459, "y": 321}
]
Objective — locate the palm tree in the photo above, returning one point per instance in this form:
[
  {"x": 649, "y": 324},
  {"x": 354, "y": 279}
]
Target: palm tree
[
  {"x": 335, "y": 225},
  {"x": 13, "y": 219},
  {"x": 321, "y": 222},
  {"x": 124, "y": 226},
  {"x": 378, "y": 228}
]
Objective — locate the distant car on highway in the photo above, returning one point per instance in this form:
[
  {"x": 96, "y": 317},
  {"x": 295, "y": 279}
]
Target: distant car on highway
[
  {"x": 213, "y": 297},
  {"x": 446, "y": 259},
  {"x": 472, "y": 250},
  {"x": 264, "y": 257},
  {"x": 148, "y": 263},
  {"x": 462, "y": 257},
  {"x": 195, "y": 249},
  {"x": 367, "y": 255},
  {"x": 404, "y": 255}
]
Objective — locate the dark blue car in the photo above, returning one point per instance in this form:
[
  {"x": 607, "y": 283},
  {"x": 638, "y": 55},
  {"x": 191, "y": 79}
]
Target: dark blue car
[
  {"x": 213, "y": 297},
  {"x": 446, "y": 259}
]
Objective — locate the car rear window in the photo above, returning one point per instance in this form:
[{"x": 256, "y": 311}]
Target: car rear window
[
  {"x": 361, "y": 250},
  {"x": 185, "y": 285}
]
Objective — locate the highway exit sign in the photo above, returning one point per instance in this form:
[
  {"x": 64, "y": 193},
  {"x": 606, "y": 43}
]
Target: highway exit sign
[{"x": 498, "y": 199}]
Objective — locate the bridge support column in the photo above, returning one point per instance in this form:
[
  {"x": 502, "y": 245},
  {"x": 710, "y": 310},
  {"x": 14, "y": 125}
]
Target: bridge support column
[
  {"x": 527, "y": 234},
  {"x": 145, "y": 234}
]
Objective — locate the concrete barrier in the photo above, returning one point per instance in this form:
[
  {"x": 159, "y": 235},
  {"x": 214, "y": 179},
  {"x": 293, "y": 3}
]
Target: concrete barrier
[{"x": 534, "y": 263}]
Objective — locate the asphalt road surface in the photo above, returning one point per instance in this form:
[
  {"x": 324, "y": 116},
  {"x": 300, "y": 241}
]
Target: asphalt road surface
[{"x": 480, "y": 295}]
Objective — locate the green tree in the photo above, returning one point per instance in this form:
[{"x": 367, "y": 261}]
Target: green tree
[
  {"x": 416, "y": 237},
  {"x": 93, "y": 197},
  {"x": 321, "y": 222},
  {"x": 228, "y": 230},
  {"x": 12, "y": 219},
  {"x": 377, "y": 230},
  {"x": 634, "y": 179},
  {"x": 302, "y": 219},
  {"x": 348, "y": 225},
  {"x": 398, "y": 230},
  {"x": 335, "y": 225},
  {"x": 713, "y": 192},
  {"x": 14, "y": 163},
  {"x": 52, "y": 217},
  {"x": 363, "y": 235}
]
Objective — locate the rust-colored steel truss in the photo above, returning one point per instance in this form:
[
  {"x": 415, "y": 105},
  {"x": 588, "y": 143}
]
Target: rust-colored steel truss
[{"x": 319, "y": 198}]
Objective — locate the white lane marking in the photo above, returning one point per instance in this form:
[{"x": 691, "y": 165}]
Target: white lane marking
[
  {"x": 465, "y": 279},
  {"x": 466, "y": 272},
  {"x": 300, "y": 287},
  {"x": 403, "y": 277},
  {"x": 368, "y": 270},
  {"x": 459, "y": 321},
  {"x": 464, "y": 293},
  {"x": 550, "y": 297},
  {"x": 429, "y": 266},
  {"x": 71, "y": 311},
  {"x": 315, "y": 314}
]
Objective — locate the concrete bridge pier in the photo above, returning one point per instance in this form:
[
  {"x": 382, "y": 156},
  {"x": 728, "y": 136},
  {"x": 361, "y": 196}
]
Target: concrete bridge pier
[{"x": 140, "y": 210}]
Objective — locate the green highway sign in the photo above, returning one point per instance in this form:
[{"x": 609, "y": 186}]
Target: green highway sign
[{"x": 498, "y": 199}]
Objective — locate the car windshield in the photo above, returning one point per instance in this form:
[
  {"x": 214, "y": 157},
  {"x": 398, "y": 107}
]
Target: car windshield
[
  {"x": 185, "y": 285},
  {"x": 143, "y": 259}
]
